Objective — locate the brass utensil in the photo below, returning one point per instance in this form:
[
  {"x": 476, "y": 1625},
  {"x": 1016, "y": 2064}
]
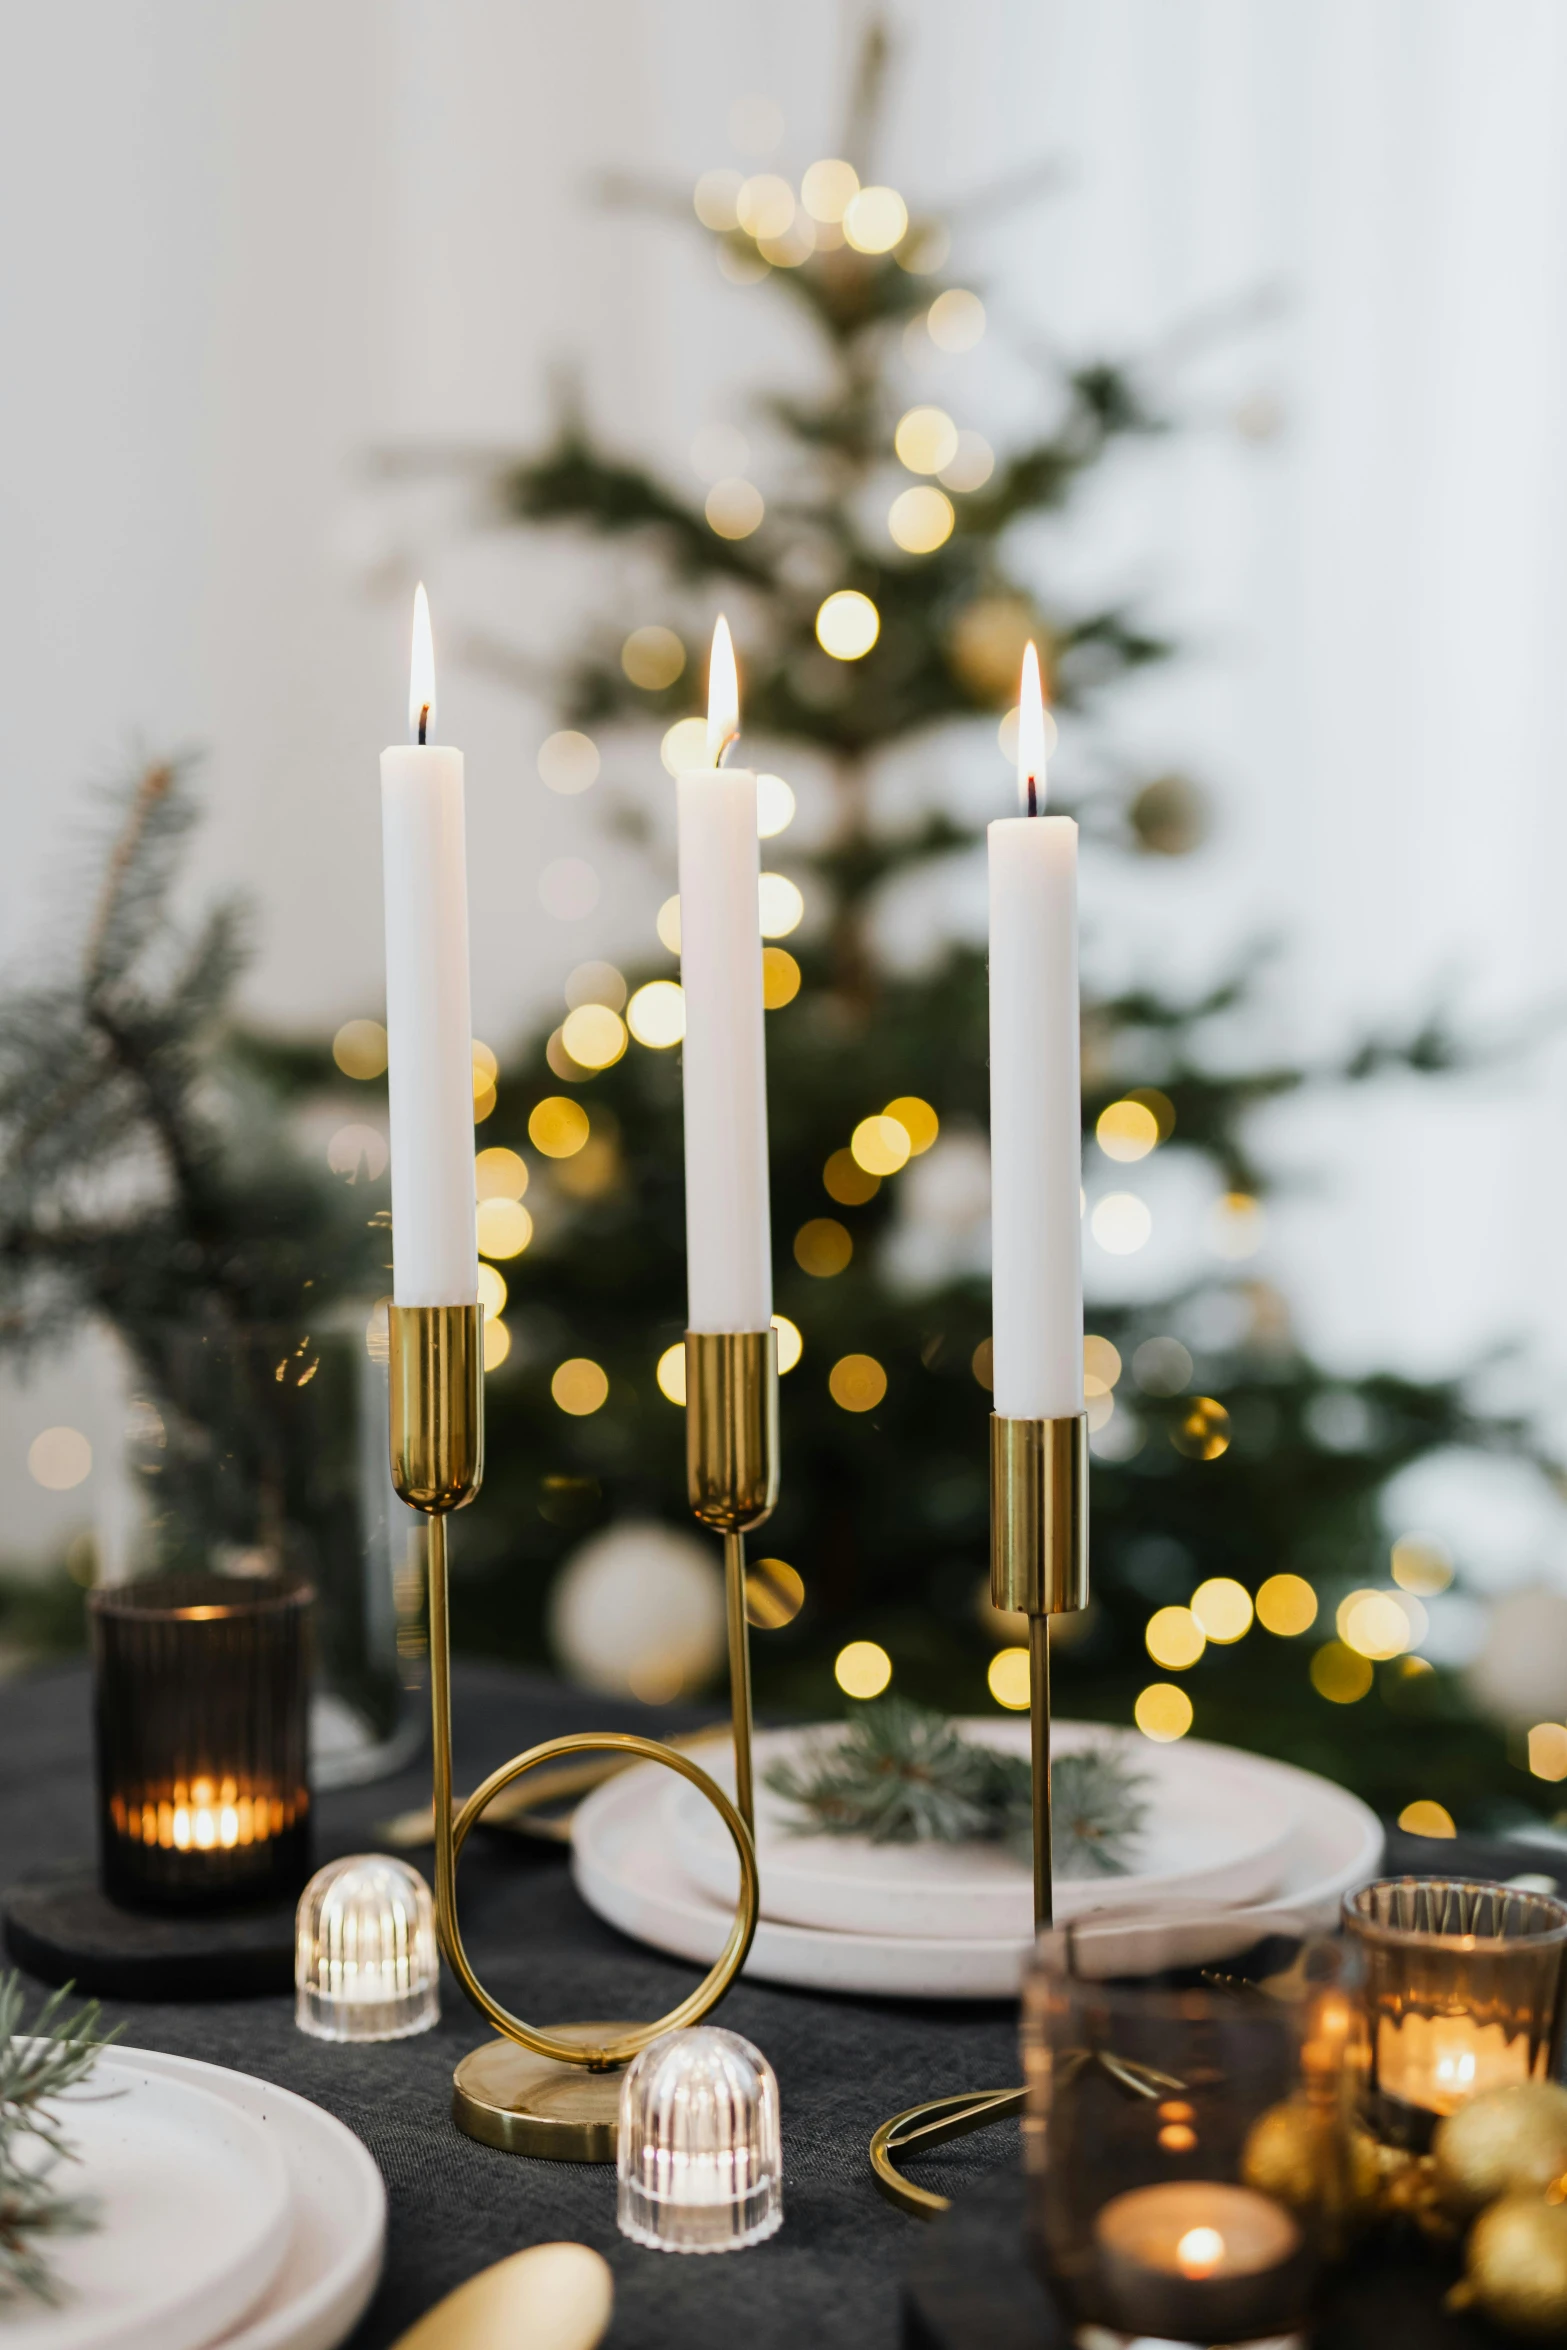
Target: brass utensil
[
  {"x": 551, "y": 2297},
  {"x": 526, "y": 1809}
]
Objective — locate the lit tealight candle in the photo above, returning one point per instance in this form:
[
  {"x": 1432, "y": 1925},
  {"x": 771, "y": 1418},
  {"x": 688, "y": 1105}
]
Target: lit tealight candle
[
  {"x": 1438, "y": 2062},
  {"x": 1199, "y": 2259}
]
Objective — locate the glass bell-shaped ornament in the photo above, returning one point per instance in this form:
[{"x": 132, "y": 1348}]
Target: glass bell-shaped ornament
[
  {"x": 698, "y": 2154},
  {"x": 366, "y": 1965}
]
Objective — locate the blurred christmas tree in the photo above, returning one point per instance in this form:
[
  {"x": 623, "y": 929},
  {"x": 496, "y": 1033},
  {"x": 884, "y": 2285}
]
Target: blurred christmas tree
[{"x": 881, "y": 595}]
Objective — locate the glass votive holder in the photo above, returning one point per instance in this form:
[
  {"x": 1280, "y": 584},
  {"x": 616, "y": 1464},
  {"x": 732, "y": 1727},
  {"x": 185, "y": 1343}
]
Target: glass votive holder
[
  {"x": 698, "y": 2155},
  {"x": 366, "y": 1965},
  {"x": 1189, "y": 2132},
  {"x": 201, "y": 1710},
  {"x": 1463, "y": 1989}
]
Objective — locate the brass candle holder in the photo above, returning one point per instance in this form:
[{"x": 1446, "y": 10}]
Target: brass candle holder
[
  {"x": 1038, "y": 1568},
  {"x": 732, "y": 1484},
  {"x": 548, "y": 2092}
]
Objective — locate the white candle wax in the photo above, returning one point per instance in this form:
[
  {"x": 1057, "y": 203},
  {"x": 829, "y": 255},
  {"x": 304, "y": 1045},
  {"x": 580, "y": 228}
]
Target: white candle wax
[
  {"x": 1035, "y": 1119},
  {"x": 429, "y": 1029},
  {"x": 729, "y": 1274}
]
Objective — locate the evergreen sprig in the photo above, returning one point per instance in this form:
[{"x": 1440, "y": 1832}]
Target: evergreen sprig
[
  {"x": 56, "y": 2053},
  {"x": 901, "y": 1774}
]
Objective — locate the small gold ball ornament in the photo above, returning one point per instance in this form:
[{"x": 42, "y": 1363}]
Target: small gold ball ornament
[
  {"x": 1502, "y": 2140},
  {"x": 1516, "y": 2266},
  {"x": 1298, "y": 2154}
]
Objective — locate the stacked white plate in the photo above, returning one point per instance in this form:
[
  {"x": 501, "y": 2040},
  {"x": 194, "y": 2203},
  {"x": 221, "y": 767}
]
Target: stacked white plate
[
  {"x": 231, "y": 2216},
  {"x": 1269, "y": 1847}
]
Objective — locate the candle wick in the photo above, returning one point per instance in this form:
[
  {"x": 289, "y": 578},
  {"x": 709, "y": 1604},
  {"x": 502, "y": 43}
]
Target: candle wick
[
  {"x": 424, "y": 720},
  {"x": 1033, "y": 792}
]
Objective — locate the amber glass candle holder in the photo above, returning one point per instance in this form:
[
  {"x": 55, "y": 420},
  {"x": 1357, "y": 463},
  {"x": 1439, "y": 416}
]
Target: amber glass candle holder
[
  {"x": 1189, "y": 2131},
  {"x": 1463, "y": 1989},
  {"x": 201, "y": 1690}
]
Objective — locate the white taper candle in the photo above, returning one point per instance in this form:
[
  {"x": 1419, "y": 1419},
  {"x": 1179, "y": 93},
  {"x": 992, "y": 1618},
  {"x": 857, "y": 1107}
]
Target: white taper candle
[
  {"x": 429, "y": 1031},
  {"x": 729, "y": 1275},
  {"x": 1035, "y": 1095}
]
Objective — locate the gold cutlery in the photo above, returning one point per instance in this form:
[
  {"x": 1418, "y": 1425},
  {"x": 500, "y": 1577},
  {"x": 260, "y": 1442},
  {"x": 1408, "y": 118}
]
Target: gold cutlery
[
  {"x": 551, "y": 2297},
  {"x": 528, "y": 1809}
]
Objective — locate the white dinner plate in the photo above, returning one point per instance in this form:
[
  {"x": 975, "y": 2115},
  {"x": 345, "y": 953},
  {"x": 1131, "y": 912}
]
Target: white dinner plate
[
  {"x": 625, "y": 1870},
  {"x": 193, "y": 2218},
  {"x": 337, "y": 2219},
  {"x": 1216, "y": 1832}
]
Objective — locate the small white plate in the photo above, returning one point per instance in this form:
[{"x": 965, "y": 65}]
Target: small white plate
[
  {"x": 337, "y": 2222},
  {"x": 623, "y": 1868},
  {"x": 193, "y": 2199},
  {"x": 1216, "y": 1832}
]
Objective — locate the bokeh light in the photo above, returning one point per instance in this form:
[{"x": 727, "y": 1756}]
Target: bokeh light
[
  {"x": 569, "y": 761},
  {"x": 829, "y": 188},
  {"x": 1339, "y": 1674},
  {"x": 1121, "y": 1223},
  {"x": 1174, "y": 1638},
  {"x": 1163, "y": 1712},
  {"x": 764, "y": 205},
  {"x": 982, "y": 1363},
  {"x": 880, "y": 1145},
  {"x": 356, "y": 1152},
  {"x": 857, "y": 1383},
  {"x": 1237, "y": 1226},
  {"x": 1162, "y": 1366},
  {"x": 774, "y": 1594},
  {"x": 1101, "y": 1366},
  {"x": 359, "y": 1048},
  {"x": 59, "y": 1459},
  {"x": 596, "y": 983},
  {"x": 671, "y": 1372},
  {"x": 971, "y": 464},
  {"x": 863, "y": 1669},
  {"x": 1008, "y": 1678},
  {"x": 779, "y": 904},
  {"x": 656, "y": 1014},
  {"x": 653, "y": 658},
  {"x": 734, "y": 508},
  {"x": 716, "y": 197},
  {"x": 1548, "y": 1750},
  {"x": 500, "y": 1174},
  {"x": 780, "y": 978},
  {"x": 1375, "y": 1624},
  {"x": 497, "y": 1343},
  {"x": 1287, "y": 1606},
  {"x": 789, "y": 1342},
  {"x": 918, "y": 1120},
  {"x": 742, "y": 265},
  {"x": 955, "y": 321},
  {"x": 1425, "y": 1818},
  {"x": 1421, "y": 1564},
  {"x": 875, "y": 220},
  {"x": 486, "y": 1067},
  {"x": 846, "y": 1181},
  {"x": 1127, "y": 1130},
  {"x": 926, "y": 440},
  {"x": 593, "y": 1172},
  {"x": 558, "y": 1126},
  {"x": 920, "y": 520},
  {"x": 594, "y": 1036},
  {"x": 667, "y": 924},
  {"x": 847, "y": 625},
  {"x": 580, "y": 1386},
  {"x": 1223, "y": 1608},
  {"x": 560, "y": 1062},
  {"x": 822, "y": 1247},
  {"x": 774, "y": 806},
  {"x": 1006, "y": 743},
  {"x": 504, "y": 1227},
  {"x": 684, "y": 747},
  {"x": 492, "y": 1292},
  {"x": 1204, "y": 1433}
]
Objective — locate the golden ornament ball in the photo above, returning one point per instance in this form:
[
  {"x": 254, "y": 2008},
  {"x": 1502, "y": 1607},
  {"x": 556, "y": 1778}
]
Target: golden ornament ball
[
  {"x": 1502, "y": 2140},
  {"x": 1516, "y": 2266},
  {"x": 1295, "y": 2153}
]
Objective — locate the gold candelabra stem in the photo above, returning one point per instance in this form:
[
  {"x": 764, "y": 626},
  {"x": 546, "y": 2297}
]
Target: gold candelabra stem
[
  {"x": 732, "y": 1483},
  {"x": 531, "y": 2092}
]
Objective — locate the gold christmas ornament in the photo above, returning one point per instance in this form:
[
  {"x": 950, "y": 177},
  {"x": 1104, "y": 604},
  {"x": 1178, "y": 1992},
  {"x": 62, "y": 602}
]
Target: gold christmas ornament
[
  {"x": 1297, "y": 2153},
  {"x": 1502, "y": 2140},
  {"x": 1516, "y": 2267}
]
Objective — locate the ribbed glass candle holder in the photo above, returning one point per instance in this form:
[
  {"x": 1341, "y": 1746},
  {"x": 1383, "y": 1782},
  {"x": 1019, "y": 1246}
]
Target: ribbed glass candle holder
[
  {"x": 698, "y": 2157},
  {"x": 366, "y": 1965},
  {"x": 201, "y": 1686}
]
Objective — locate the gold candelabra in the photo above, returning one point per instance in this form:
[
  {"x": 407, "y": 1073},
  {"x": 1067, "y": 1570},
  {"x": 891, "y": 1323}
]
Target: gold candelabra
[
  {"x": 556, "y": 2092},
  {"x": 1038, "y": 1568}
]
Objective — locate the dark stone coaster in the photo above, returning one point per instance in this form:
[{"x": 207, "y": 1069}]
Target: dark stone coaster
[
  {"x": 969, "y": 2286},
  {"x": 61, "y": 1927}
]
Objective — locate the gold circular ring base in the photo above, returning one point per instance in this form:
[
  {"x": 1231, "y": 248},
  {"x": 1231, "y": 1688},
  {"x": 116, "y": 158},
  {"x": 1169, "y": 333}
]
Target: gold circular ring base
[{"x": 506, "y": 2096}]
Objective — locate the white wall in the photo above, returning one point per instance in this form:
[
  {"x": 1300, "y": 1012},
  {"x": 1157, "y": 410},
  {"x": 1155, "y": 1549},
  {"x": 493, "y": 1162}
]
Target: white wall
[{"x": 246, "y": 247}]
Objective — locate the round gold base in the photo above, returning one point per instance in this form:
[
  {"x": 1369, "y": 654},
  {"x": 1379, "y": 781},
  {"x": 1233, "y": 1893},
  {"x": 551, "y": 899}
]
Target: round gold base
[{"x": 526, "y": 2104}]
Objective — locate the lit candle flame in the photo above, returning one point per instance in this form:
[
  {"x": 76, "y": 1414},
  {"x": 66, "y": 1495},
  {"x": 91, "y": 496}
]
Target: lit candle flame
[
  {"x": 1031, "y": 736},
  {"x": 1200, "y": 2250},
  {"x": 723, "y": 695},
  {"x": 421, "y": 676}
]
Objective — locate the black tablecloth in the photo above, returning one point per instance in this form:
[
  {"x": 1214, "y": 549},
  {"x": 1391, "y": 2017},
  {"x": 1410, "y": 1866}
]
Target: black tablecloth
[{"x": 830, "y": 2276}]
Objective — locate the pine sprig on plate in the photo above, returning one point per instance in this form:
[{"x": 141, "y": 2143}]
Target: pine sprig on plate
[
  {"x": 56, "y": 2054},
  {"x": 899, "y": 1774}
]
